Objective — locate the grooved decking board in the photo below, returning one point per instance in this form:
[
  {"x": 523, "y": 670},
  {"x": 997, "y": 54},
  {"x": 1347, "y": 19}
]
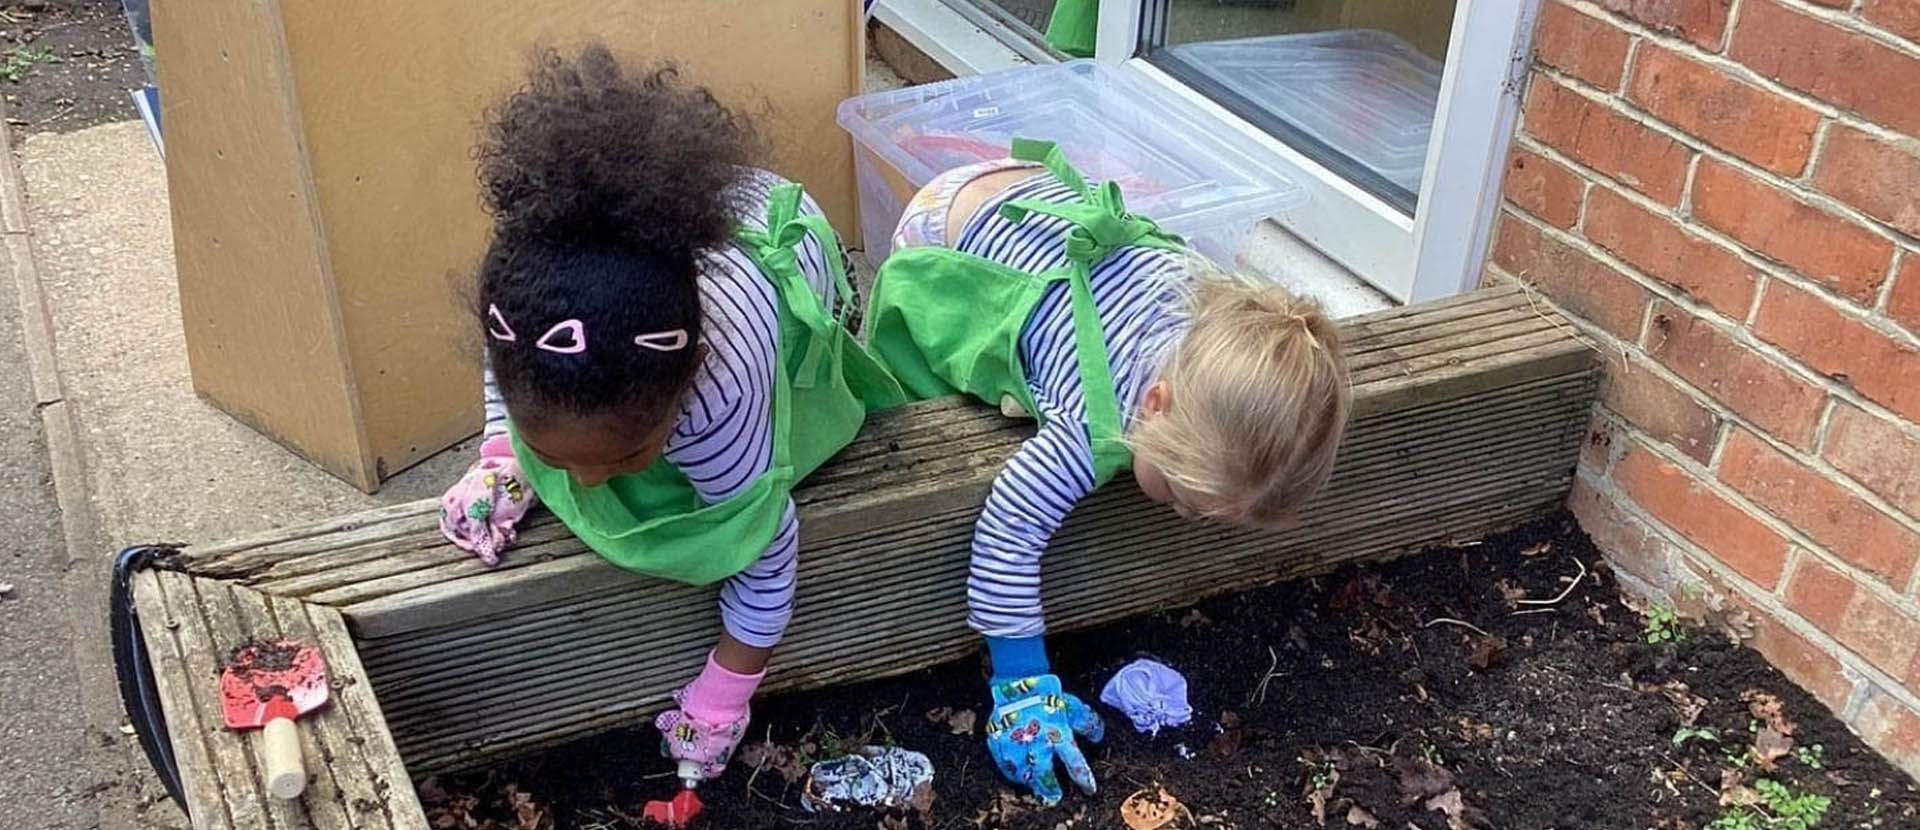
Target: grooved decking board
[
  {"x": 1469, "y": 413},
  {"x": 1407, "y": 479},
  {"x": 355, "y": 776}
]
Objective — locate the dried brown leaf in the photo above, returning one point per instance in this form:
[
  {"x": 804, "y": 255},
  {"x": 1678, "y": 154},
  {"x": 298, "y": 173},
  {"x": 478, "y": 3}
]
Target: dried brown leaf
[
  {"x": 1734, "y": 790},
  {"x": 1510, "y": 593},
  {"x": 1769, "y": 746},
  {"x": 1420, "y": 780},
  {"x": 1768, "y": 710},
  {"x": 1150, "y": 809},
  {"x": 1487, "y": 652},
  {"x": 1357, "y": 816},
  {"x": 1448, "y": 803}
]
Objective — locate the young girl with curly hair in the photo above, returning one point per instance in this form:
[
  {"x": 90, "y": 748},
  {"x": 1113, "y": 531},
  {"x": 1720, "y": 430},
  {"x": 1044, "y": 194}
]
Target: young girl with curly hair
[
  {"x": 1019, "y": 283},
  {"x": 663, "y": 358}
]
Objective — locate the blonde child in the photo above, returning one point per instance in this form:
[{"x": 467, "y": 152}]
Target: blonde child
[
  {"x": 1017, "y": 282},
  {"x": 641, "y": 288}
]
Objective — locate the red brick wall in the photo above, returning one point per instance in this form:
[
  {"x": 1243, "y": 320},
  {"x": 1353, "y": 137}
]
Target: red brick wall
[{"x": 1726, "y": 195}]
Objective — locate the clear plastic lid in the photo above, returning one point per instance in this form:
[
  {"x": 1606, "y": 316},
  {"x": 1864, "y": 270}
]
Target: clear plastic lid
[
  {"x": 1170, "y": 162},
  {"x": 1365, "y": 93}
]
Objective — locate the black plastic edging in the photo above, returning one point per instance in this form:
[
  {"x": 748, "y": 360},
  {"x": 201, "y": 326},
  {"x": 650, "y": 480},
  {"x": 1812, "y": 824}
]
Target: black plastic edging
[{"x": 135, "y": 673}]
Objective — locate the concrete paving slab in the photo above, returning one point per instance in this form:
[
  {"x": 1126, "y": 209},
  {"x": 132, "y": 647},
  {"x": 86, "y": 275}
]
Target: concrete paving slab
[
  {"x": 163, "y": 465},
  {"x": 44, "y": 771}
]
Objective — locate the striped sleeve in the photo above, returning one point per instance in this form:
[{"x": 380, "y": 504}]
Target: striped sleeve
[
  {"x": 496, "y": 406},
  {"x": 1031, "y": 497},
  {"x": 724, "y": 439}
]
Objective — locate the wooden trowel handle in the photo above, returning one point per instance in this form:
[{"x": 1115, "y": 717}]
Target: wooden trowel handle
[{"x": 280, "y": 750}]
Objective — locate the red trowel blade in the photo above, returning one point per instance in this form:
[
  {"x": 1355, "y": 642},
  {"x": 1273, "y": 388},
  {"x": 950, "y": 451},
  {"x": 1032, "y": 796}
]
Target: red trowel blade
[
  {"x": 684, "y": 807},
  {"x": 267, "y": 679}
]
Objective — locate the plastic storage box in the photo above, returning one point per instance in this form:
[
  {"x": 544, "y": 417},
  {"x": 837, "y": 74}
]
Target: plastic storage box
[
  {"x": 1170, "y": 163},
  {"x": 1366, "y": 93}
]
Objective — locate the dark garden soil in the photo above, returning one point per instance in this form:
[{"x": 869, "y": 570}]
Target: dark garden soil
[
  {"x": 1346, "y": 697},
  {"x": 67, "y": 64}
]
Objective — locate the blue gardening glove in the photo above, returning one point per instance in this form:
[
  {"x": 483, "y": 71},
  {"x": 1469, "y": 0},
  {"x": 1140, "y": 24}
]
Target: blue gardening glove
[
  {"x": 1033, "y": 725},
  {"x": 1034, "y": 722}
]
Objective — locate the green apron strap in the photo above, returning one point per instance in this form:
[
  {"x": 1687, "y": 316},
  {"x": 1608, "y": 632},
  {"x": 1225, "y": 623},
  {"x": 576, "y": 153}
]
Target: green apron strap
[
  {"x": 777, "y": 255},
  {"x": 1101, "y": 225}
]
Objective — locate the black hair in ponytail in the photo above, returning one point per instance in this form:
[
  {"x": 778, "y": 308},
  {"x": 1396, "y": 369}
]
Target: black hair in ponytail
[{"x": 605, "y": 187}]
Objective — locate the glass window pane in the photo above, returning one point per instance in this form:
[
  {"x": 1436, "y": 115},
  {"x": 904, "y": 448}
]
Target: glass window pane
[{"x": 1351, "y": 83}]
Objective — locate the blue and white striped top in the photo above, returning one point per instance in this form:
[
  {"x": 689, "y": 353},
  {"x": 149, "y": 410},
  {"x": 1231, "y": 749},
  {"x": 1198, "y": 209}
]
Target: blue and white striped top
[
  {"x": 1137, "y": 292},
  {"x": 723, "y": 439}
]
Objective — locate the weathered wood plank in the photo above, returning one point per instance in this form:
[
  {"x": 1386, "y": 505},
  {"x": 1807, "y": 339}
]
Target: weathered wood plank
[
  {"x": 206, "y": 806},
  {"x": 388, "y": 776},
  {"x": 228, "y": 630},
  {"x": 240, "y": 787},
  {"x": 322, "y": 802},
  {"x": 342, "y": 747}
]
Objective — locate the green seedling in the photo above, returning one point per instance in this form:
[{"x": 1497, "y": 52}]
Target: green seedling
[
  {"x": 1779, "y": 809},
  {"x": 1663, "y": 626},
  {"x": 20, "y": 60},
  {"x": 1812, "y": 757},
  {"x": 1695, "y": 733}
]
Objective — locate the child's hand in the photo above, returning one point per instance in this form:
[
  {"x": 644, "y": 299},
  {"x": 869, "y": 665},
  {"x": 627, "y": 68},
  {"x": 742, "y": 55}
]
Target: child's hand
[
  {"x": 479, "y": 512},
  {"x": 1034, "y": 724},
  {"x": 706, "y": 743}
]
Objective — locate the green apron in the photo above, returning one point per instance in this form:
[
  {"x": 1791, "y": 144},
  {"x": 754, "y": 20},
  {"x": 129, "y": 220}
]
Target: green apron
[
  {"x": 1074, "y": 27},
  {"x": 653, "y": 522},
  {"x": 946, "y": 321}
]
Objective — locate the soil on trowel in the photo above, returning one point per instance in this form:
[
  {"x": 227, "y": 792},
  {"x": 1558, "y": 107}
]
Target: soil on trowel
[
  {"x": 67, "y": 64},
  {"x": 1413, "y": 694}
]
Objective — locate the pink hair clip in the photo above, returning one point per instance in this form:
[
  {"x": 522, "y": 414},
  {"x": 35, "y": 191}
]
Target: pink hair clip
[
  {"x": 577, "y": 338},
  {"x": 663, "y": 341},
  {"x": 497, "y": 325}
]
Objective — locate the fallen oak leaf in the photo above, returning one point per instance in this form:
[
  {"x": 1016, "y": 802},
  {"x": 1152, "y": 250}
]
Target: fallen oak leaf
[
  {"x": 1734, "y": 792},
  {"x": 1357, "y": 816}
]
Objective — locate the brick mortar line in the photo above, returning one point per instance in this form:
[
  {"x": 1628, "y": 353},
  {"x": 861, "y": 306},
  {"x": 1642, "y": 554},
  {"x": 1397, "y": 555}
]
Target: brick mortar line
[
  {"x": 79, "y": 525},
  {"x": 1703, "y": 477},
  {"x": 1883, "y": 303},
  {"x": 1814, "y": 198},
  {"x": 1812, "y": 461},
  {"x": 1729, "y": 65},
  {"x": 1693, "y": 554},
  {"x": 1873, "y": 317},
  {"x": 1735, "y": 329},
  {"x": 1846, "y": 19},
  {"x": 1629, "y": 351}
]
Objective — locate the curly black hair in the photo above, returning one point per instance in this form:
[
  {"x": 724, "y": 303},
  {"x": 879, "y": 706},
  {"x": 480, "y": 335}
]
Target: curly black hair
[{"x": 605, "y": 188}]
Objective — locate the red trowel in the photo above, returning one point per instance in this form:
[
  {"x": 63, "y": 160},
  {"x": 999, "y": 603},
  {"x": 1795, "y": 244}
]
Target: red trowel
[
  {"x": 685, "y": 804},
  {"x": 266, "y": 685}
]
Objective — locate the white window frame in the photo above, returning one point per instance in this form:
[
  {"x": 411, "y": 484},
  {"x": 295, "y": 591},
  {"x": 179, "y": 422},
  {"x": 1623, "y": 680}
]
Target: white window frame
[{"x": 1439, "y": 250}]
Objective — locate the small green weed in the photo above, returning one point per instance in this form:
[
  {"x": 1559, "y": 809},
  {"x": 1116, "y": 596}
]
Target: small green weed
[
  {"x": 1663, "y": 626},
  {"x": 1812, "y": 757},
  {"x": 1779, "y": 809},
  {"x": 1695, "y": 733},
  {"x": 20, "y": 60}
]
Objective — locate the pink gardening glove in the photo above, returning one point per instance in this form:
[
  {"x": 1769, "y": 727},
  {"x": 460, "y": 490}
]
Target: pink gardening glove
[
  {"x": 711, "y": 720},
  {"x": 479, "y": 512}
]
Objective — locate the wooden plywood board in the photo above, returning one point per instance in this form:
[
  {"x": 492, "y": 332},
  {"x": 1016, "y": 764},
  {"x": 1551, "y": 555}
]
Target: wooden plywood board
[
  {"x": 263, "y": 334},
  {"x": 390, "y": 94}
]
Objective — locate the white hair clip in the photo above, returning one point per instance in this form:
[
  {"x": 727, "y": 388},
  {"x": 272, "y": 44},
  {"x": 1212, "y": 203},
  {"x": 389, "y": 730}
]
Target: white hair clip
[
  {"x": 497, "y": 325},
  {"x": 663, "y": 341},
  {"x": 577, "y": 338}
]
